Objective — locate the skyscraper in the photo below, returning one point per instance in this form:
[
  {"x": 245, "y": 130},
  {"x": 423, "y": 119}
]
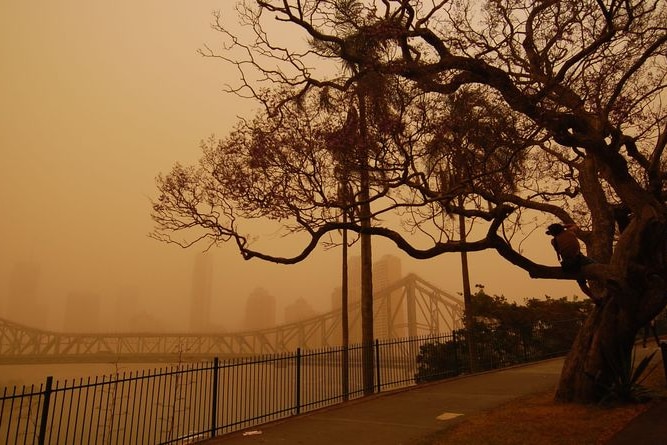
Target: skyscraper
[
  {"x": 386, "y": 271},
  {"x": 260, "y": 312},
  {"x": 298, "y": 311},
  {"x": 23, "y": 302}
]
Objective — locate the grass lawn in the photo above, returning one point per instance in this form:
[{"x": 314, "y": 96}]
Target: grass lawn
[{"x": 537, "y": 419}]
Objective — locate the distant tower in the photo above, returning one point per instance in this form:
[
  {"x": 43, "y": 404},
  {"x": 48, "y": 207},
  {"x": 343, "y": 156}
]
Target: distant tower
[
  {"x": 82, "y": 313},
  {"x": 202, "y": 283},
  {"x": 24, "y": 305},
  {"x": 386, "y": 271},
  {"x": 298, "y": 311},
  {"x": 260, "y": 312}
]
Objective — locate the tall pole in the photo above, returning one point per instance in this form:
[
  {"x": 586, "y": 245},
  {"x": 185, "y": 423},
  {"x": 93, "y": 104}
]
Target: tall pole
[
  {"x": 366, "y": 256},
  {"x": 345, "y": 377},
  {"x": 367, "y": 303},
  {"x": 467, "y": 295},
  {"x": 465, "y": 274}
]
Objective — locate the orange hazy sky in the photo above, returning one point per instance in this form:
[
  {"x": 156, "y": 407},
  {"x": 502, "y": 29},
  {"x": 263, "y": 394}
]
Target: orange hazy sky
[{"x": 97, "y": 99}]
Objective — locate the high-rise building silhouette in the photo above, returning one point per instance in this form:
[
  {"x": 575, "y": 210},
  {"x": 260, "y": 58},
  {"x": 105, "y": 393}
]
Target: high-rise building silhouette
[
  {"x": 24, "y": 304},
  {"x": 202, "y": 288},
  {"x": 386, "y": 271},
  {"x": 260, "y": 312},
  {"x": 298, "y": 311}
]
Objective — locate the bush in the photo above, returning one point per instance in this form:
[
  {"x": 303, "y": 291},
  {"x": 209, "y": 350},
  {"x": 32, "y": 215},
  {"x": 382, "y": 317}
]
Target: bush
[
  {"x": 503, "y": 334},
  {"x": 625, "y": 382},
  {"x": 437, "y": 360},
  {"x": 493, "y": 347}
]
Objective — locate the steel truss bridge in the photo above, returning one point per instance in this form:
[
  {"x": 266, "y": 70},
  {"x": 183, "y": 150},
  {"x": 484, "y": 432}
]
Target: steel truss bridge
[{"x": 407, "y": 308}]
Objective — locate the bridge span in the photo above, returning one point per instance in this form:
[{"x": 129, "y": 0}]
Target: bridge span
[{"x": 409, "y": 307}]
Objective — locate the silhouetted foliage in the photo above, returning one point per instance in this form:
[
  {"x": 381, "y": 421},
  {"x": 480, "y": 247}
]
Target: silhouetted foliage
[
  {"x": 439, "y": 360},
  {"x": 504, "y": 334},
  {"x": 624, "y": 384},
  {"x": 508, "y": 114}
]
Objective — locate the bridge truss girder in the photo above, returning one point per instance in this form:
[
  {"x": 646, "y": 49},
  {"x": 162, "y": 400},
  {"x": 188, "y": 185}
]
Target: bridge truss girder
[{"x": 409, "y": 307}]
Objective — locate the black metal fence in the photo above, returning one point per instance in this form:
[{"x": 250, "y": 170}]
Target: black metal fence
[{"x": 190, "y": 402}]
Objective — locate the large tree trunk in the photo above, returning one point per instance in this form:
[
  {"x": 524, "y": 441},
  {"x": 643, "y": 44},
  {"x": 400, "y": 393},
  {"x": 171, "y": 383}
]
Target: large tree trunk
[
  {"x": 606, "y": 335},
  {"x": 635, "y": 293}
]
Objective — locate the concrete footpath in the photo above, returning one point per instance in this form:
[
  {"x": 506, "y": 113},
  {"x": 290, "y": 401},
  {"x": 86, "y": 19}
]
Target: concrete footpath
[
  {"x": 410, "y": 416},
  {"x": 404, "y": 416},
  {"x": 649, "y": 428}
]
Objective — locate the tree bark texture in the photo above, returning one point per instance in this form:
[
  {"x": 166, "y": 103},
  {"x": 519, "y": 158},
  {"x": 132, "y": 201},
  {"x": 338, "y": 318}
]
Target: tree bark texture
[{"x": 634, "y": 295}]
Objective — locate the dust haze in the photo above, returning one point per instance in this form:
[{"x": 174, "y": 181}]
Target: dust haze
[{"x": 98, "y": 98}]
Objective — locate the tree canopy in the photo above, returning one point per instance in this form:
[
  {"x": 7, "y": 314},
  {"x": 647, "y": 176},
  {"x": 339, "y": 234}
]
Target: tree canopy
[{"x": 508, "y": 112}]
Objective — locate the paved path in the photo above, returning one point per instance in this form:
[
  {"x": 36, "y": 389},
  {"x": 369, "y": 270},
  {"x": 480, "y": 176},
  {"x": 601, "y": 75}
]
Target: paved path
[
  {"x": 406, "y": 416},
  {"x": 649, "y": 428}
]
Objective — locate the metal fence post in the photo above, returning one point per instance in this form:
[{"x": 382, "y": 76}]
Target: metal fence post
[
  {"x": 298, "y": 380},
  {"x": 45, "y": 411},
  {"x": 456, "y": 353},
  {"x": 214, "y": 398},
  {"x": 377, "y": 363}
]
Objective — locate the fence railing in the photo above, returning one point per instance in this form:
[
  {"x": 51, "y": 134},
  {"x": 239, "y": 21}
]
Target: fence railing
[{"x": 185, "y": 403}]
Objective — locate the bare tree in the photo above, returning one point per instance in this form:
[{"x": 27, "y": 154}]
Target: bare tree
[{"x": 579, "y": 131}]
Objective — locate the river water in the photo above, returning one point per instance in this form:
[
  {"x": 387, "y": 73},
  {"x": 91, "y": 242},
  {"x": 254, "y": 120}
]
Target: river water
[{"x": 19, "y": 375}]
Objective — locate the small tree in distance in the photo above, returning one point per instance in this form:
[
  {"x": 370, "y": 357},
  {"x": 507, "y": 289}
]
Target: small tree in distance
[{"x": 564, "y": 119}]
